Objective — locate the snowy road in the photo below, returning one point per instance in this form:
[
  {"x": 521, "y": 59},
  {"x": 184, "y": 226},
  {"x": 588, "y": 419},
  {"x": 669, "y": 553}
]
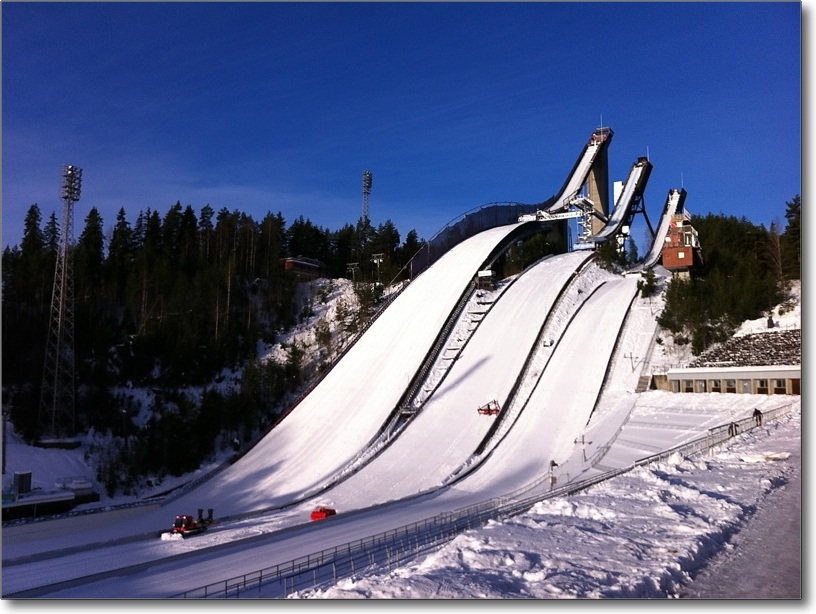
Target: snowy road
[{"x": 763, "y": 560}]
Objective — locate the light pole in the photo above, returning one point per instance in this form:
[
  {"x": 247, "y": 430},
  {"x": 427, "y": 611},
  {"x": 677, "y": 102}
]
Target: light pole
[
  {"x": 584, "y": 443},
  {"x": 56, "y": 414},
  {"x": 377, "y": 259},
  {"x": 367, "y": 181}
]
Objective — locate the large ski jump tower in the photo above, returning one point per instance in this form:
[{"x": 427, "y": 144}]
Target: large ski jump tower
[
  {"x": 597, "y": 182},
  {"x": 56, "y": 416}
]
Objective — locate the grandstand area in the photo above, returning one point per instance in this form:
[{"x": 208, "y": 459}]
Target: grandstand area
[{"x": 783, "y": 347}]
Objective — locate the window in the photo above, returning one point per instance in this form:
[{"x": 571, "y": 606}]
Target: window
[
  {"x": 701, "y": 385},
  {"x": 715, "y": 385},
  {"x": 681, "y": 255},
  {"x": 780, "y": 387},
  {"x": 730, "y": 385},
  {"x": 745, "y": 386},
  {"x": 688, "y": 385},
  {"x": 762, "y": 386},
  {"x": 675, "y": 384}
]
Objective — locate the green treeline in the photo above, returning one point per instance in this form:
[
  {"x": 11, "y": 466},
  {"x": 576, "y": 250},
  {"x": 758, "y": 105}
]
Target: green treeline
[
  {"x": 172, "y": 306},
  {"x": 167, "y": 304},
  {"x": 743, "y": 276}
]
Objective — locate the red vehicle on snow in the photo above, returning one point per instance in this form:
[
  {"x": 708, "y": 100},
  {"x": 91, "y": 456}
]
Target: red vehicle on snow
[
  {"x": 489, "y": 409},
  {"x": 185, "y": 525},
  {"x": 319, "y": 513}
]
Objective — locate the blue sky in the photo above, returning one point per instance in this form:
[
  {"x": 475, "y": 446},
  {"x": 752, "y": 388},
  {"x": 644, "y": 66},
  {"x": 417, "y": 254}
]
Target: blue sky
[{"x": 280, "y": 107}]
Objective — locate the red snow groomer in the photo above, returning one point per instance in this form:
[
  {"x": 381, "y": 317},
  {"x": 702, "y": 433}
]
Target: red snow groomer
[
  {"x": 489, "y": 409},
  {"x": 185, "y": 524},
  {"x": 321, "y": 512}
]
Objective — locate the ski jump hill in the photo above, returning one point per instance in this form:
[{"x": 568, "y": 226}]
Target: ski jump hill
[
  {"x": 359, "y": 436},
  {"x": 457, "y": 395}
]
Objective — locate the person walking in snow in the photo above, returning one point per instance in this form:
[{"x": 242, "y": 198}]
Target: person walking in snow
[{"x": 757, "y": 417}]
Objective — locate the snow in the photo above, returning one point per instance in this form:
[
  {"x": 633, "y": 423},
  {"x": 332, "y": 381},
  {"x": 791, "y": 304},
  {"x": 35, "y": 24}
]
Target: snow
[
  {"x": 640, "y": 535},
  {"x": 647, "y": 533}
]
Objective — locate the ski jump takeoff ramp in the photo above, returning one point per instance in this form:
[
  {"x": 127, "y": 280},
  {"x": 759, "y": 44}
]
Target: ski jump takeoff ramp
[
  {"x": 593, "y": 150},
  {"x": 632, "y": 191},
  {"x": 674, "y": 203}
]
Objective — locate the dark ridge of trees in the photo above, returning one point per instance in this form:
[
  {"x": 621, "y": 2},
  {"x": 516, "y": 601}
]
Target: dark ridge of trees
[
  {"x": 790, "y": 241},
  {"x": 167, "y": 303},
  {"x": 742, "y": 277}
]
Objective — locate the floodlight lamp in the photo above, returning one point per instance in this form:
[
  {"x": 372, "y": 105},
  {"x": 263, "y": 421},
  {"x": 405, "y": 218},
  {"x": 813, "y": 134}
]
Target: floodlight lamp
[{"x": 72, "y": 182}]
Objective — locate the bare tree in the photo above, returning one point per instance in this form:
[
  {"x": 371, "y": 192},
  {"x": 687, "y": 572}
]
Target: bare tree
[{"x": 775, "y": 254}]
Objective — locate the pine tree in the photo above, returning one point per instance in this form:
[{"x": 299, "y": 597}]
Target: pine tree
[
  {"x": 775, "y": 254},
  {"x": 119, "y": 263},
  {"x": 790, "y": 241},
  {"x": 35, "y": 270},
  {"x": 89, "y": 258}
]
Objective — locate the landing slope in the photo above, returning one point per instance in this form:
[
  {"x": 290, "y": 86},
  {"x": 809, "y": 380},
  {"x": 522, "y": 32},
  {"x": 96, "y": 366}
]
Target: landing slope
[
  {"x": 345, "y": 411},
  {"x": 561, "y": 404},
  {"x": 448, "y": 428}
]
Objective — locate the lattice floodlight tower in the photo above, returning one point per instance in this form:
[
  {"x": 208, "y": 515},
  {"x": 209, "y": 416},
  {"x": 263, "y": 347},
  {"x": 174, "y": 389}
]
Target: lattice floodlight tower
[
  {"x": 57, "y": 398},
  {"x": 367, "y": 179}
]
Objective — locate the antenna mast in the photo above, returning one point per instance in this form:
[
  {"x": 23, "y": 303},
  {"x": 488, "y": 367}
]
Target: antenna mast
[
  {"x": 56, "y": 416},
  {"x": 367, "y": 179}
]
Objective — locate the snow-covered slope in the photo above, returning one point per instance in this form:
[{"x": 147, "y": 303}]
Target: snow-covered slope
[
  {"x": 347, "y": 408},
  {"x": 557, "y": 415},
  {"x": 448, "y": 429}
]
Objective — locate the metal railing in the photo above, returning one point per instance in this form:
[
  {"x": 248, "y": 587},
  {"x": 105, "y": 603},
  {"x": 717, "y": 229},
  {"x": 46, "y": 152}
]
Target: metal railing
[{"x": 395, "y": 547}]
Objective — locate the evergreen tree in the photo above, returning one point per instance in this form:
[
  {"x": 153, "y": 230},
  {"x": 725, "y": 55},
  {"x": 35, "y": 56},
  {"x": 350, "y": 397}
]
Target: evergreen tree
[
  {"x": 33, "y": 239},
  {"x": 51, "y": 234},
  {"x": 410, "y": 247},
  {"x": 171, "y": 232},
  {"x": 648, "y": 284},
  {"x": 206, "y": 233},
  {"x": 89, "y": 256},
  {"x": 385, "y": 241},
  {"x": 364, "y": 233},
  {"x": 775, "y": 254},
  {"x": 35, "y": 268},
  {"x": 147, "y": 284},
  {"x": 119, "y": 263},
  {"x": 226, "y": 248},
  {"x": 271, "y": 244},
  {"x": 306, "y": 239},
  {"x": 188, "y": 244},
  {"x": 790, "y": 241},
  {"x": 343, "y": 251}
]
